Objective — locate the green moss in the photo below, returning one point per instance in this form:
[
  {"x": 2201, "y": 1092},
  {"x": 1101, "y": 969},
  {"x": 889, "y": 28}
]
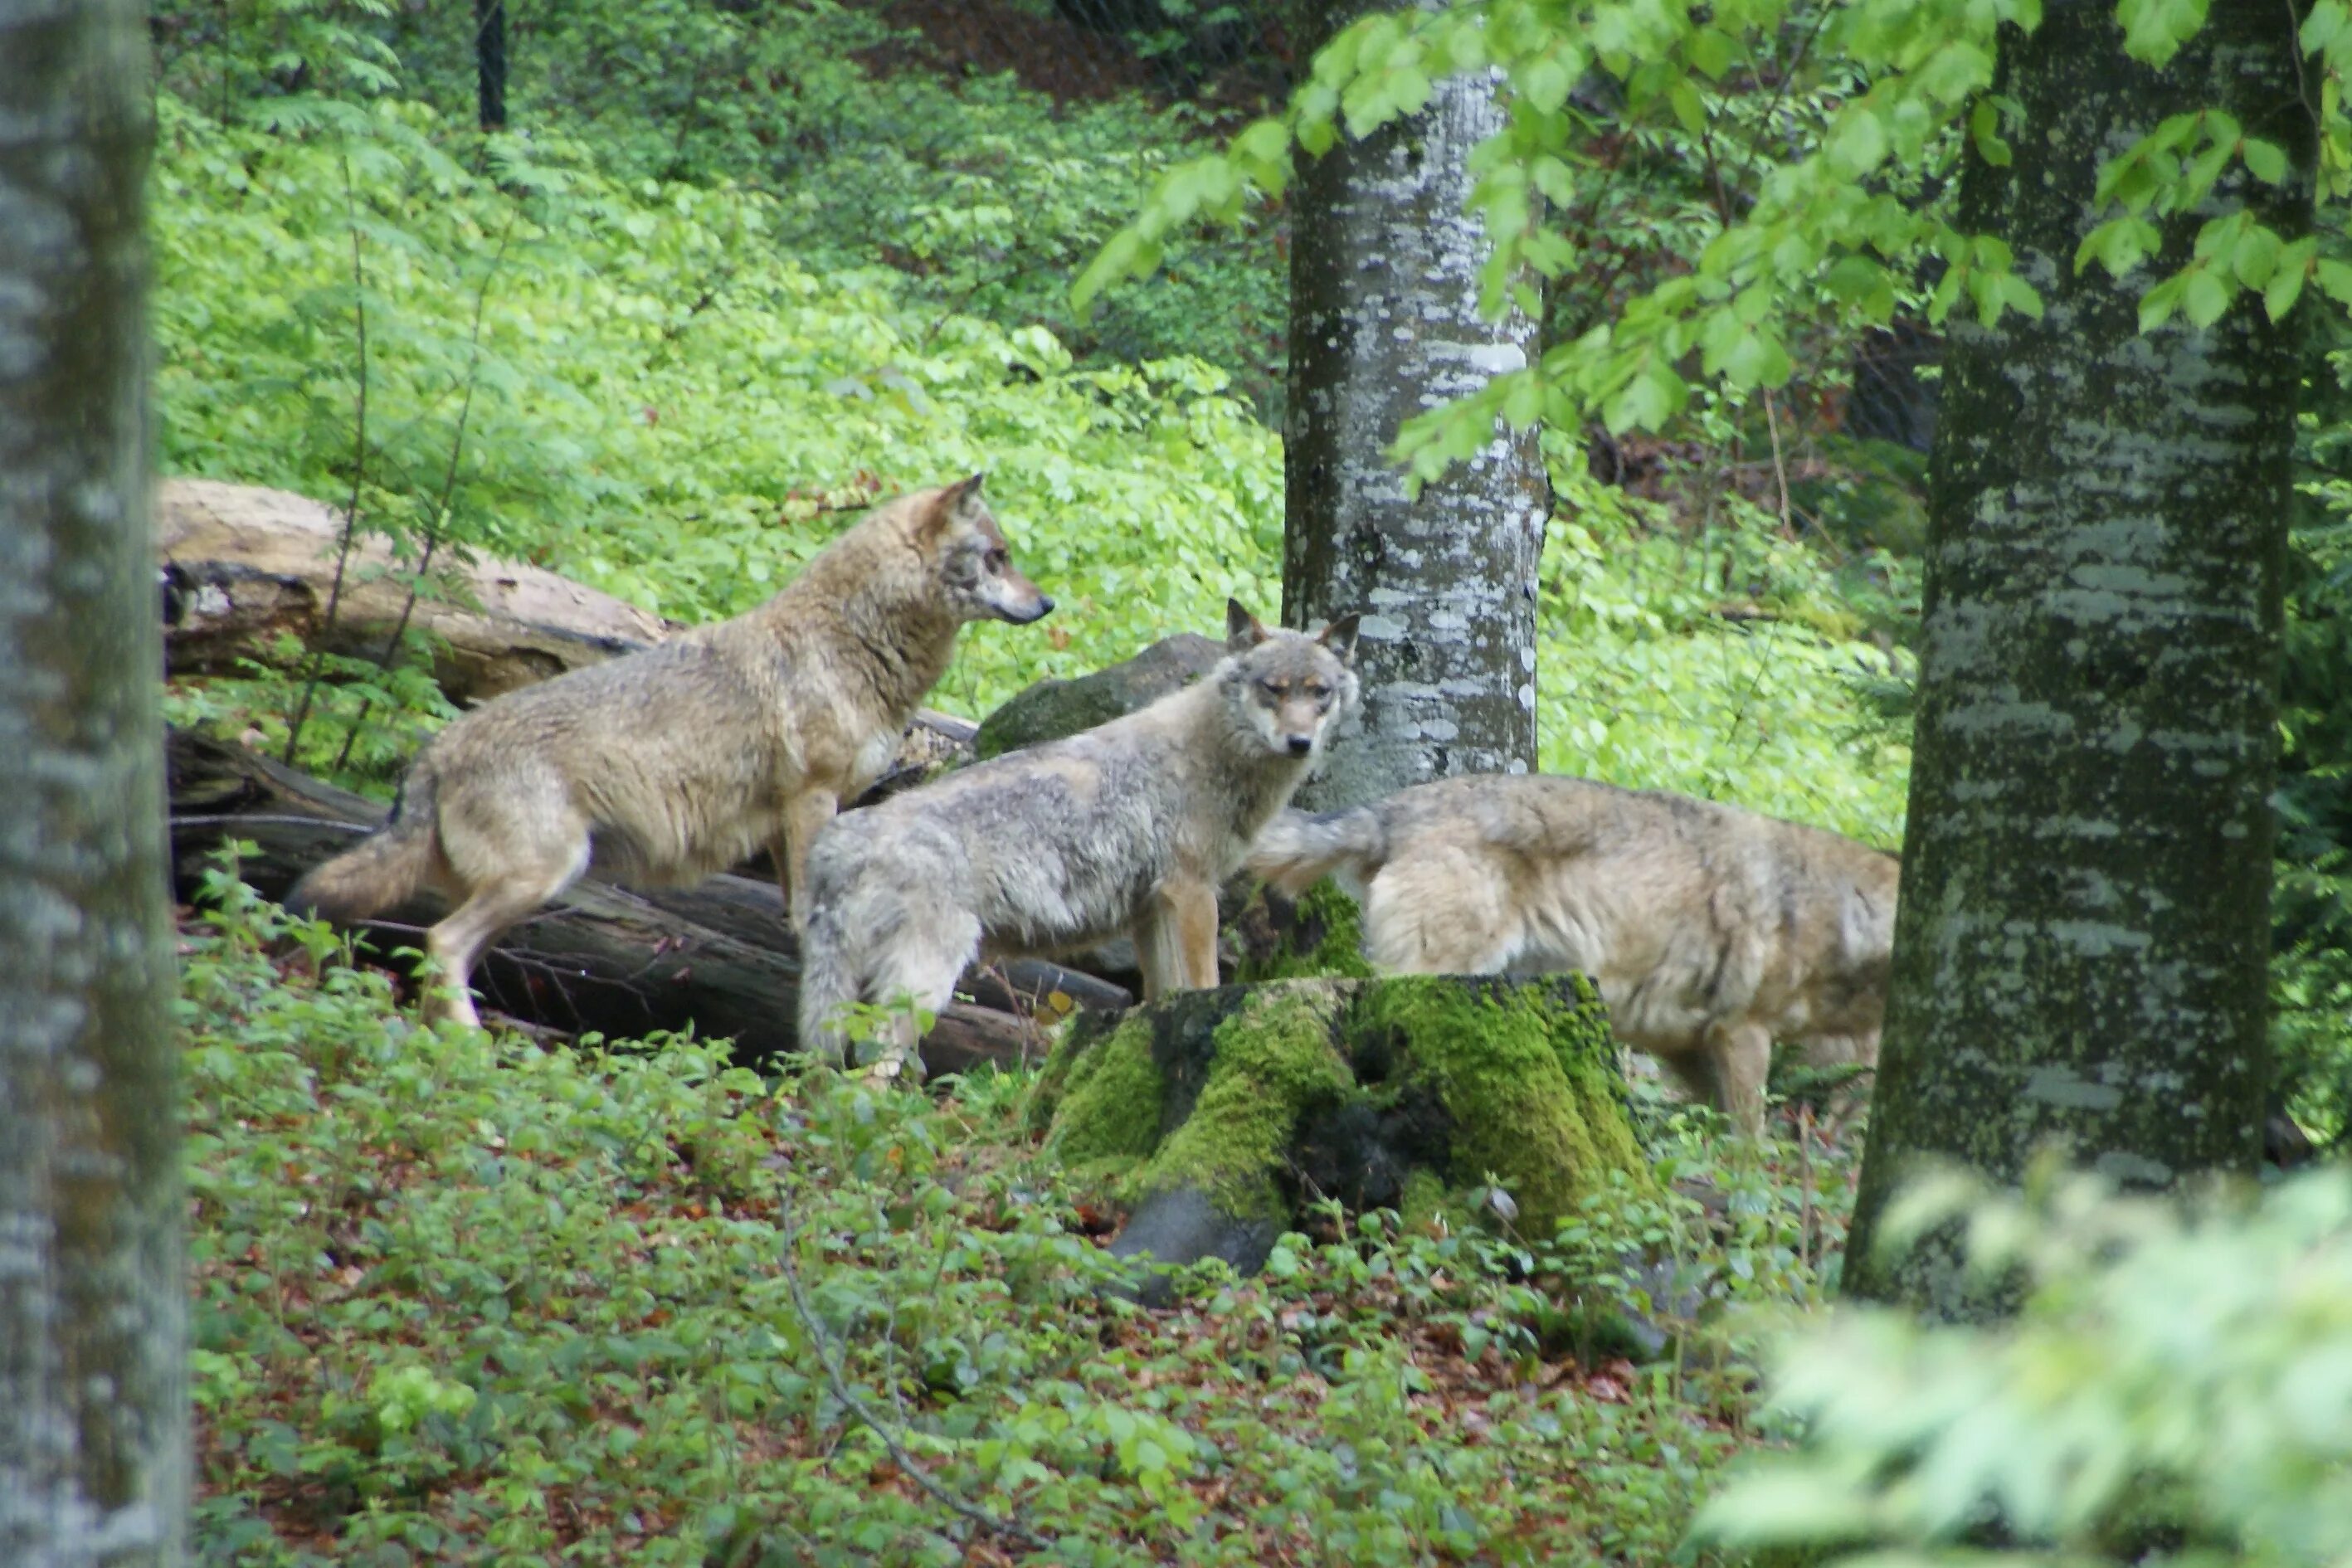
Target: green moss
[
  {"x": 1426, "y": 1201},
  {"x": 1326, "y": 938},
  {"x": 1528, "y": 1082},
  {"x": 1276, "y": 1060},
  {"x": 1105, "y": 1091}
]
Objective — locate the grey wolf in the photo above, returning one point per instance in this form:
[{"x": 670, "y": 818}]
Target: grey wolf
[
  {"x": 1710, "y": 931},
  {"x": 1126, "y": 828},
  {"x": 676, "y": 761}
]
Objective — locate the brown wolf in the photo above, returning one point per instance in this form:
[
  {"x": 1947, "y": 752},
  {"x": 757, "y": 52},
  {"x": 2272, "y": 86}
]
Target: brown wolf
[
  {"x": 1710, "y": 931},
  {"x": 1126, "y": 828},
  {"x": 677, "y": 762}
]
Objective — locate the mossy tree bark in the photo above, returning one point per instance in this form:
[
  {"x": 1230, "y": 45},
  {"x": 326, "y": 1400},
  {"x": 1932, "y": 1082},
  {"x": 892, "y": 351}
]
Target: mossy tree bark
[
  {"x": 93, "y": 1419},
  {"x": 1384, "y": 323},
  {"x": 2081, "y": 952}
]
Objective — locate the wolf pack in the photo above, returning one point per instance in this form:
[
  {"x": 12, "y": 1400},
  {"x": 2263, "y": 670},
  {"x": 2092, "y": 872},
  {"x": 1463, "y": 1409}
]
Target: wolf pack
[{"x": 1711, "y": 931}]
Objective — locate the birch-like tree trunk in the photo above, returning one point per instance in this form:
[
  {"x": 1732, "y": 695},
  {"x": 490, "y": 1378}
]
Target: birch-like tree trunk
[
  {"x": 93, "y": 1423},
  {"x": 1384, "y": 324},
  {"x": 2080, "y": 956}
]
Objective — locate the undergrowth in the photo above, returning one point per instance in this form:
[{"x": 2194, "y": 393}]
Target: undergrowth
[{"x": 466, "y": 1298}]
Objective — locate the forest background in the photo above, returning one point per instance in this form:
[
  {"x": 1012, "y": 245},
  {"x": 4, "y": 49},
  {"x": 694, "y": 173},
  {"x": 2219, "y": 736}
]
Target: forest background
[{"x": 726, "y": 275}]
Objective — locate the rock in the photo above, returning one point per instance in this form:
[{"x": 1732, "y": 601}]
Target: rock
[
  {"x": 1216, "y": 1113},
  {"x": 1052, "y": 709}
]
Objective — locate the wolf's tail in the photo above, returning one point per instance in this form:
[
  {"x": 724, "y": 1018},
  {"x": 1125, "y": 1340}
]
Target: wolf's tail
[
  {"x": 829, "y": 984},
  {"x": 1297, "y": 849},
  {"x": 385, "y": 868}
]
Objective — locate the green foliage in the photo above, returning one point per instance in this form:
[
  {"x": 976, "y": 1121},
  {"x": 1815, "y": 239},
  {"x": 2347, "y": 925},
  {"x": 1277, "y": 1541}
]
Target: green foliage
[
  {"x": 462, "y": 1296},
  {"x": 1727, "y": 663},
  {"x": 2177, "y": 1390},
  {"x": 631, "y": 384},
  {"x": 1816, "y": 225}
]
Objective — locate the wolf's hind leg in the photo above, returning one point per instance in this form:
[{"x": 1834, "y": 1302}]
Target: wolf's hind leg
[
  {"x": 506, "y": 868},
  {"x": 1739, "y": 1057},
  {"x": 456, "y": 944},
  {"x": 926, "y": 957}
]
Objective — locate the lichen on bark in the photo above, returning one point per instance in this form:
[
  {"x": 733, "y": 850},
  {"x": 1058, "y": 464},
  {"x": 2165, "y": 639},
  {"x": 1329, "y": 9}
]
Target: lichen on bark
[
  {"x": 2081, "y": 952},
  {"x": 1384, "y": 324}
]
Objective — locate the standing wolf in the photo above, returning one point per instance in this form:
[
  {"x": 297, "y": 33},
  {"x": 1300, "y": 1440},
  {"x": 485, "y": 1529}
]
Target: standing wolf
[
  {"x": 677, "y": 762},
  {"x": 1710, "y": 931},
  {"x": 1126, "y": 828}
]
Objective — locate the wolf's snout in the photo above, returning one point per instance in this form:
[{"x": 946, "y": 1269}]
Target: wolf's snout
[
  {"x": 1301, "y": 744},
  {"x": 1044, "y": 606}
]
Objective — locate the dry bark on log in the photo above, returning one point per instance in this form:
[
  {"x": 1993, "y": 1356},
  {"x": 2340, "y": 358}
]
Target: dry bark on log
[
  {"x": 242, "y": 564},
  {"x": 600, "y": 957}
]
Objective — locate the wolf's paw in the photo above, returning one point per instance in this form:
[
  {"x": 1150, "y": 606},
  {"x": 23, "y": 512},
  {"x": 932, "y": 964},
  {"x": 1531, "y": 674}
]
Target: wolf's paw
[{"x": 888, "y": 1070}]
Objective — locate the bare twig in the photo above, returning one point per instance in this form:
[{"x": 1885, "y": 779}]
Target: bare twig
[
  {"x": 229, "y": 818},
  {"x": 359, "y": 467},
  {"x": 1805, "y": 1180},
  {"x": 828, "y": 1355},
  {"x": 1779, "y": 466},
  {"x": 440, "y": 512}
]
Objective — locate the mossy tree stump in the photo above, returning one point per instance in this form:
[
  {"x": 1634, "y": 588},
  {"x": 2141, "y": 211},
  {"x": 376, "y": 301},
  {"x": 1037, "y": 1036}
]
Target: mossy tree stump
[{"x": 1217, "y": 1113}]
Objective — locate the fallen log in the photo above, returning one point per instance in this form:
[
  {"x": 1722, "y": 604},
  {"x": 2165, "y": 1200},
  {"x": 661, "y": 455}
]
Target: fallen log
[{"x": 600, "y": 957}]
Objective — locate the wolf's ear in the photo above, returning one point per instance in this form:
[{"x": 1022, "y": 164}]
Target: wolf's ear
[
  {"x": 1340, "y": 636},
  {"x": 952, "y": 502},
  {"x": 1242, "y": 628}
]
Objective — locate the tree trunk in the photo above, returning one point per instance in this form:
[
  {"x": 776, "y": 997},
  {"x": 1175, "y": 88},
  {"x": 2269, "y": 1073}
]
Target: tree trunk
[
  {"x": 1385, "y": 324},
  {"x": 2080, "y": 956},
  {"x": 490, "y": 62},
  {"x": 93, "y": 1399}
]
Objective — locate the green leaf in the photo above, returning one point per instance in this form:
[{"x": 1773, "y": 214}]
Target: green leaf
[
  {"x": 1711, "y": 50},
  {"x": 2154, "y": 30},
  {"x": 1858, "y": 145},
  {"x": 2285, "y": 289},
  {"x": 2118, "y": 245},
  {"x": 1690, "y": 111},
  {"x": 2266, "y": 161},
  {"x": 1984, "y": 130},
  {"x": 2335, "y": 278},
  {"x": 2205, "y": 298},
  {"x": 2255, "y": 256},
  {"x": 2321, "y": 27},
  {"x": 1544, "y": 82},
  {"x": 2158, "y": 305}
]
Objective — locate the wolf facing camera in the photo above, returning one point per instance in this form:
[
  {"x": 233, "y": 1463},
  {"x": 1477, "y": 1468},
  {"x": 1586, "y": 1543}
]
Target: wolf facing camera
[{"x": 1127, "y": 828}]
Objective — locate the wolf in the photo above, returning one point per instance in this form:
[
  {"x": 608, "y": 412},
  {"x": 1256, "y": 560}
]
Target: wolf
[
  {"x": 676, "y": 761},
  {"x": 1710, "y": 931},
  {"x": 1126, "y": 828}
]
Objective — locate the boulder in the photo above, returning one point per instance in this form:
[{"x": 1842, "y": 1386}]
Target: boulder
[{"x": 1054, "y": 707}]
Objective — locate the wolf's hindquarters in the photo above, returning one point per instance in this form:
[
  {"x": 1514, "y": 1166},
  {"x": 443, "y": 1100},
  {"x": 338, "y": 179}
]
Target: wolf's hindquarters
[{"x": 382, "y": 870}]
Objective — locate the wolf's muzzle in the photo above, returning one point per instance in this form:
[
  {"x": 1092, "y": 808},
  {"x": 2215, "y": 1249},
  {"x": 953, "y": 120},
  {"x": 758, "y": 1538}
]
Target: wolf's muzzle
[
  {"x": 1301, "y": 744},
  {"x": 1045, "y": 608}
]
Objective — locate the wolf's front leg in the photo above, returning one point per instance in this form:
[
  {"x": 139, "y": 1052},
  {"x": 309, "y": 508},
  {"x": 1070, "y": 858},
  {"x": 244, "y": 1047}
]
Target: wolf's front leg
[
  {"x": 804, "y": 816},
  {"x": 1176, "y": 942}
]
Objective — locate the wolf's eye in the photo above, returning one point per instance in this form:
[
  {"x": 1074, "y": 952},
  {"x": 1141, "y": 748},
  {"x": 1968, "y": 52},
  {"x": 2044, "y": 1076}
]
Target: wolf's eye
[
  {"x": 1317, "y": 690},
  {"x": 1271, "y": 687},
  {"x": 997, "y": 560}
]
